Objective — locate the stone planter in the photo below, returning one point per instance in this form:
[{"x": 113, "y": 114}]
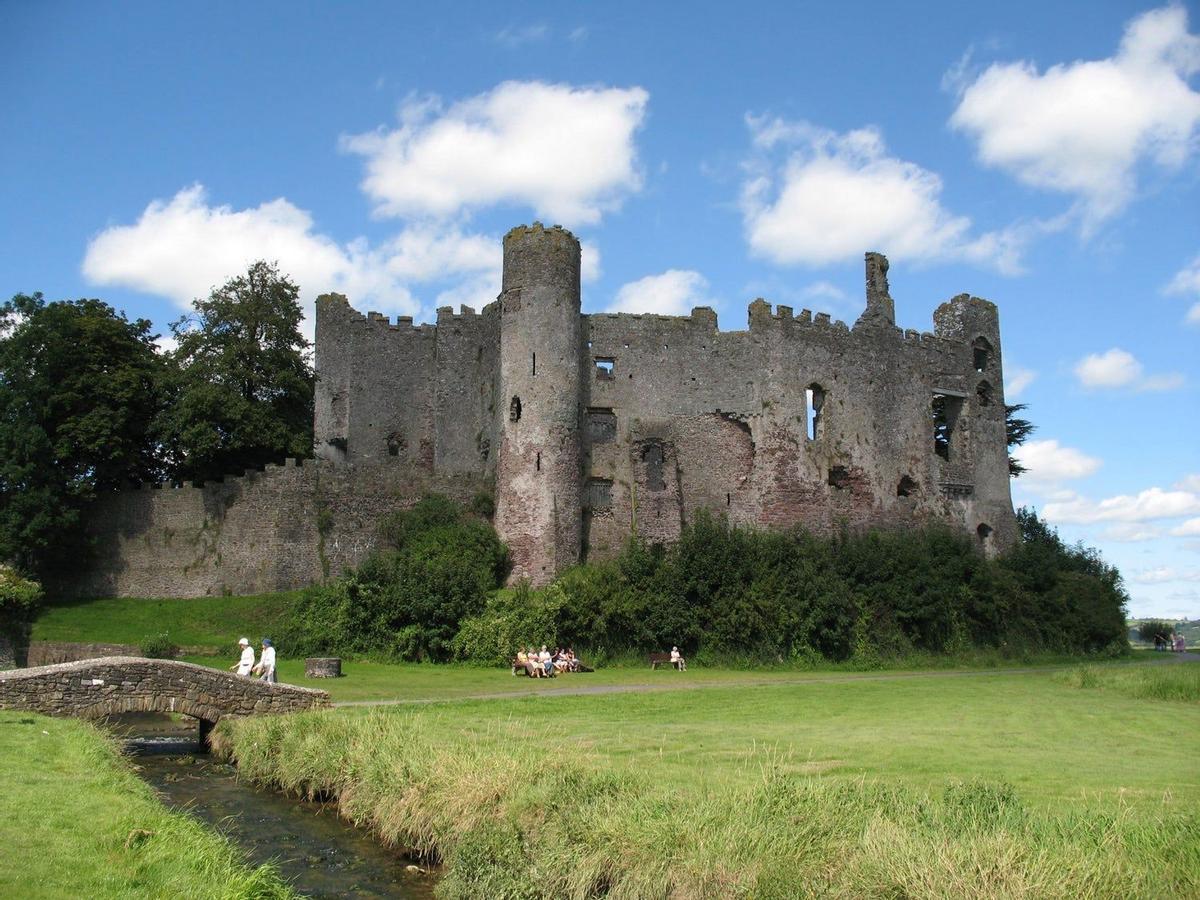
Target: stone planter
[{"x": 323, "y": 667}]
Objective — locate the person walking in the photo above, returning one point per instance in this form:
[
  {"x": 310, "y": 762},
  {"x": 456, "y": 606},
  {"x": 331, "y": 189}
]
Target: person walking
[
  {"x": 246, "y": 663},
  {"x": 266, "y": 663}
]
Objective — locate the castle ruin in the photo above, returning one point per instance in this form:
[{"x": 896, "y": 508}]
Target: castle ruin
[{"x": 590, "y": 428}]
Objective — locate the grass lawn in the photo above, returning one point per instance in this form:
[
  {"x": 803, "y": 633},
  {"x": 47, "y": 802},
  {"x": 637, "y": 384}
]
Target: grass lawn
[
  {"x": 206, "y": 621},
  {"x": 76, "y": 822},
  {"x": 1055, "y": 742},
  {"x": 939, "y": 785}
]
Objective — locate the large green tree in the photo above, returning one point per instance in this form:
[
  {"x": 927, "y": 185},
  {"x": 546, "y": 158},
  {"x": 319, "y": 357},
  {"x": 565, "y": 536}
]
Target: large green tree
[
  {"x": 243, "y": 389},
  {"x": 80, "y": 386}
]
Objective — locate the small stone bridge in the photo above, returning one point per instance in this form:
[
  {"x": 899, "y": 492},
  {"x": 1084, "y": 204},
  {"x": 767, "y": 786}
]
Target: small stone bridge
[{"x": 94, "y": 688}]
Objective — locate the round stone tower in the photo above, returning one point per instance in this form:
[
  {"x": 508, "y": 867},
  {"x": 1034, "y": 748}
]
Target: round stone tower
[{"x": 539, "y": 474}]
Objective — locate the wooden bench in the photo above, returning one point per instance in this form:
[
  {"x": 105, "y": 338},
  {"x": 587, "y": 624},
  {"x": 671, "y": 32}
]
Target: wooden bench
[{"x": 656, "y": 658}]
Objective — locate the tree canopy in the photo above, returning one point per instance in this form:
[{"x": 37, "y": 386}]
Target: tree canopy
[
  {"x": 242, "y": 386},
  {"x": 80, "y": 388}
]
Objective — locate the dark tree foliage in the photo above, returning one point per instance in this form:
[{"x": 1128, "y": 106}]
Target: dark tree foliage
[
  {"x": 243, "y": 389},
  {"x": 1155, "y": 628},
  {"x": 1017, "y": 431},
  {"x": 80, "y": 386},
  {"x": 437, "y": 567},
  {"x": 721, "y": 591}
]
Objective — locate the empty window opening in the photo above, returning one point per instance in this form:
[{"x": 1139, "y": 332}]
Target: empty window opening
[
  {"x": 814, "y": 401},
  {"x": 652, "y": 459},
  {"x": 537, "y": 465},
  {"x": 533, "y": 365},
  {"x": 984, "y": 533},
  {"x": 599, "y": 493},
  {"x": 945, "y": 410},
  {"x": 839, "y": 477},
  {"x": 514, "y": 410},
  {"x": 602, "y": 426},
  {"x": 728, "y": 501},
  {"x": 589, "y": 345},
  {"x": 981, "y": 349},
  {"x": 906, "y": 488},
  {"x": 604, "y": 368},
  {"x": 395, "y": 443},
  {"x": 984, "y": 393}
]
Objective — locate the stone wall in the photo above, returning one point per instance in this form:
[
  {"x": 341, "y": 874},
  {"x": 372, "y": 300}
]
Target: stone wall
[
  {"x": 593, "y": 427},
  {"x": 49, "y": 653},
  {"x": 100, "y": 687},
  {"x": 798, "y": 421},
  {"x": 283, "y": 528}
]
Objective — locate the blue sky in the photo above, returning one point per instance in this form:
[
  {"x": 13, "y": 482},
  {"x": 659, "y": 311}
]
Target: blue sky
[{"x": 1044, "y": 156}]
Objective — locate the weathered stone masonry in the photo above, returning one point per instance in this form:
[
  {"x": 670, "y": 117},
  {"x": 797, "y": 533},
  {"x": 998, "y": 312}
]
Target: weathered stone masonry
[
  {"x": 96, "y": 688},
  {"x": 593, "y": 427}
]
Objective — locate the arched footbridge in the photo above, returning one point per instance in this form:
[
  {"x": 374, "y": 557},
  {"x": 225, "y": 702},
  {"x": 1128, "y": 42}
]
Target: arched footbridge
[{"x": 94, "y": 688}]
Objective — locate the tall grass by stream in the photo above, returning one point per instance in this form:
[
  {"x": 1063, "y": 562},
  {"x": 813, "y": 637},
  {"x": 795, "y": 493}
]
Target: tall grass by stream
[
  {"x": 1164, "y": 681},
  {"x": 512, "y": 818}
]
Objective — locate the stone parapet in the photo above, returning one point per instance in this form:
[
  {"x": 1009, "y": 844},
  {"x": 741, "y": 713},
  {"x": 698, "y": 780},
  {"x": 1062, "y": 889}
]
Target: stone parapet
[{"x": 96, "y": 688}]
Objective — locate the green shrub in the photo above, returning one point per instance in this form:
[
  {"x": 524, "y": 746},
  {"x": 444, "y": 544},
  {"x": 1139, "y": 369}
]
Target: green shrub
[
  {"x": 158, "y": 646},
  {"x": 407, "y": 601},
  {"x": 20, "y": 599}
]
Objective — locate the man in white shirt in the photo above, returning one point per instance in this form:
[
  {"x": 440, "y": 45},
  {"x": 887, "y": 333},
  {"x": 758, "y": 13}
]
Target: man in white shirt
[
  {"x": 266, "y": 662},
  {"x": 246, "y": 663}
]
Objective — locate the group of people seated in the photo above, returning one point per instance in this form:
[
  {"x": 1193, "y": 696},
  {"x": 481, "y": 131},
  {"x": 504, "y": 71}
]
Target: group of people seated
[{"x": 544, "y": 664}]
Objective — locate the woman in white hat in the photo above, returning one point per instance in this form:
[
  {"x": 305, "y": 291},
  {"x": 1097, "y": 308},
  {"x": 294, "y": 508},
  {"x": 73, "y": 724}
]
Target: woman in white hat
[{"x": 246, "y": 663}]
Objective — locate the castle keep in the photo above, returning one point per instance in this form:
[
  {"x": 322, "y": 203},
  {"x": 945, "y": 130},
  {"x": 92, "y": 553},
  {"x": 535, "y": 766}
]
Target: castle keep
[
  {"x": 589, "y": 428},
  {"x": 593, "y": 427}
]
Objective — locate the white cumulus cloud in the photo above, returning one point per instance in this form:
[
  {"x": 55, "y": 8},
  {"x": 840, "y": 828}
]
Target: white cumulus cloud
[
  {"x": 1187, "y": 283},
  {"x": 1148, "y": 505},
  {"x": 183, "y": 247},
  {"x": 673, "y": 293},
  {"x": 1131, "y": 532},
  {"x": 1189, "y": 528},
  {"x": 1082, "y": 128},
  {"x": 1049, "y": 461},
  {"x": 567, "y": 152},
  {"x": 813, "y": 196},
  {"x": 1117, "y": 368},
  {"x": 1017, "y": 381}
]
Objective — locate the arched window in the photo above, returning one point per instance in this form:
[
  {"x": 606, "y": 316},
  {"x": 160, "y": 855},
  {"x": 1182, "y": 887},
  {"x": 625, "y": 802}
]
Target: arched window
[{"x": 982, "y": 351}]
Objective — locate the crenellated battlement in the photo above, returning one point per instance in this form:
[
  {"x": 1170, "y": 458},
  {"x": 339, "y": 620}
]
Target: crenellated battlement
[{"x": 590, "y": 428}]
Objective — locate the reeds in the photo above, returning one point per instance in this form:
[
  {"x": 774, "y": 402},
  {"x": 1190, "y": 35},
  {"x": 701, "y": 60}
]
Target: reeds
[{"x": 514, "y": 816}]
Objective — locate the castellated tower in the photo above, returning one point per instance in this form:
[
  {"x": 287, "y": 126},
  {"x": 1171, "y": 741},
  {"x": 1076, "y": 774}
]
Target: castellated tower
[{"x": 539, "y": 469}]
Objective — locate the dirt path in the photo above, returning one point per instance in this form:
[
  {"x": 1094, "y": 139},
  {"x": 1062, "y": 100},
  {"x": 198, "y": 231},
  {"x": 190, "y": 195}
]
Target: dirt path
[{"x": 756, "y": 682}]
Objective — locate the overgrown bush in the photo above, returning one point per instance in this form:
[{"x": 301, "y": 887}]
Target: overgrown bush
[
  {"x": 158, "y": 646},
  {"x": 437, "y": 567},
  {"x": 727, "y": 593},
  {"x": 19, "y": 602},
  {"x": 721, "y": 593}
]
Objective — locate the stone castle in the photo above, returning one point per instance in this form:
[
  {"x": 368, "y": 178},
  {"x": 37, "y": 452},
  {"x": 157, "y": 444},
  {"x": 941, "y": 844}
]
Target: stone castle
[{"x": 590, "y": 428}]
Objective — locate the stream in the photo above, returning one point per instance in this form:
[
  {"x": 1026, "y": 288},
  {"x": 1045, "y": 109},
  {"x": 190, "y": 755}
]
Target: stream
[{"x": 318, "y": 853}]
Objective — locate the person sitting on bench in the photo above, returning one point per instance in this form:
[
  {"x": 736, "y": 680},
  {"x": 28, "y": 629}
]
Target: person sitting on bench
[{"x": 677, "y": 660}]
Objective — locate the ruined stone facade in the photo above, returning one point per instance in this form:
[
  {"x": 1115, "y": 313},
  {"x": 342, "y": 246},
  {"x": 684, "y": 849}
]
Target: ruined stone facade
[
  {"x": 594, "y": 427},
  {"x": 589, "y": 428}
]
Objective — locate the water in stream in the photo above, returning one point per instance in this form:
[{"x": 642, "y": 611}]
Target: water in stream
[{"x": 318, "y": 853}]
